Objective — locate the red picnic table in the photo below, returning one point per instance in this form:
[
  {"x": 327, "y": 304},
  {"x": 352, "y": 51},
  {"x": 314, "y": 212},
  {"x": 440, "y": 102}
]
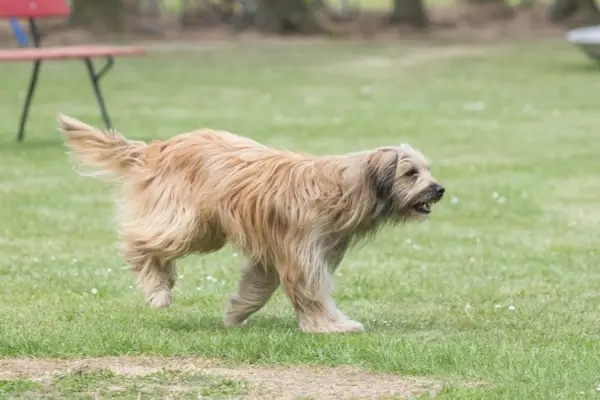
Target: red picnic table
[{"x": 35, "y": 9}]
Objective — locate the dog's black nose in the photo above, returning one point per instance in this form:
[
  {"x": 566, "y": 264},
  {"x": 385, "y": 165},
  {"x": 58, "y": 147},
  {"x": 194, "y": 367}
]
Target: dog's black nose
[{"x": 439, "y": 190}]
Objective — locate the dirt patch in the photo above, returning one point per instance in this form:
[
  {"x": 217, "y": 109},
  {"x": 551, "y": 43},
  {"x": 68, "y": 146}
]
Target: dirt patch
[
  {"x": 267, "y": 382},
  {"x": 330, "y": 383}
]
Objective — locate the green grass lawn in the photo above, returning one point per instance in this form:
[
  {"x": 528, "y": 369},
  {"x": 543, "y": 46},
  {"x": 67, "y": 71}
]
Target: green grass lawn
[{"x": 500, "y": 286}]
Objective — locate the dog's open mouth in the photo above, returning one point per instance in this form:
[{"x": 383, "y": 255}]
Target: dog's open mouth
[{"x": 423, "y": 208}]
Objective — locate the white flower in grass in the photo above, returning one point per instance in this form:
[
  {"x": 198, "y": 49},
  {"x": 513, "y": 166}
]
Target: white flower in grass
[
  {"x": 311, "y": 101},
  {"x": 474, "y": 106},
  {"x": 453, "y": 200},
  {"x": 366, "y": 90},
  {"x": 497, "y": 306},
  {"x": 511, "y": 308},
  {"x": 94, "y": 291},
  {"x": 530, "y": 109}
]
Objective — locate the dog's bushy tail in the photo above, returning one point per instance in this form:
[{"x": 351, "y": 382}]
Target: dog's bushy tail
[{"x": 105, "y": 154}]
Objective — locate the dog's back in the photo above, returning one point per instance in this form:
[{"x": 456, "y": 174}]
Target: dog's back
[{"x": 110, "y": 154}]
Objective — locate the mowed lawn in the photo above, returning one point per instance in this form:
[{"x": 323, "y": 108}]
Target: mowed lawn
[{"x": 496, "y": 296}]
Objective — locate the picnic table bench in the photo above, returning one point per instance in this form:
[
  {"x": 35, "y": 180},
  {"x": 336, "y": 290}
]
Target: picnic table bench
[{"x": 35, "y": 9}]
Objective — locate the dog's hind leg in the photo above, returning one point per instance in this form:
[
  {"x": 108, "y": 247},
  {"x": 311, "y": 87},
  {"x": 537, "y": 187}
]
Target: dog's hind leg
[
  {"x": 155, "y": 274},
  {"x": 155, "y": 232},
  {"x": 256, "y": 286}
]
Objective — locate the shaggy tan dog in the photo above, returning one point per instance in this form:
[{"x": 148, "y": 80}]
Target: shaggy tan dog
[{"x": 293, "y": 215}]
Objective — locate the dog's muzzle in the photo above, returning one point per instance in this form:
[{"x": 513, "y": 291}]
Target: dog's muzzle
[{"x": 433, "y": 194}]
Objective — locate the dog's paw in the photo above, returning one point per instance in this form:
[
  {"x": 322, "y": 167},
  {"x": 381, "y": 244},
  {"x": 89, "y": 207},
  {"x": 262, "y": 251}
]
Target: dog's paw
[
  {"x": 237, "y": 312},
  {"x": 341, "y": 326},
  {"x": 231, "y": 322},
  {"x": 350, "y": 325},
  {"x": 161, "y": 299},
  {"x": 233, "y": 318}
]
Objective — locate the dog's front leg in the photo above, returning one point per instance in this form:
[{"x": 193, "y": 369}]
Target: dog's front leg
[
  {"x": 336, "y": 254},
  {"x": 310, "y": 293},
  {"x": 256, "y": 286},
  {"x": 334, "y": 257}
]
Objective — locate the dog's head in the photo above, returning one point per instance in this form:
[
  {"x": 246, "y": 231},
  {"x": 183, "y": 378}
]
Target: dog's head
[{"x": 402, "y": 182}]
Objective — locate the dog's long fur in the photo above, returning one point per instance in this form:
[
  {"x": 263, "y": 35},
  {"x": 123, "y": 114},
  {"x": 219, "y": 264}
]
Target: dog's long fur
[{"x": 293, "y": 215}]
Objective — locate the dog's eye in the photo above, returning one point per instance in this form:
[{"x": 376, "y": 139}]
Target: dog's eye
[{"x": 412, "y": 172}]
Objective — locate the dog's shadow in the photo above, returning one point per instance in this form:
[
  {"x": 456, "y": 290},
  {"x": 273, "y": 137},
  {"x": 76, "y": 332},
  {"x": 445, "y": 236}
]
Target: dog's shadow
[
  {"x": 266, "y": 324},
  {"x": 214, "y": 324}
]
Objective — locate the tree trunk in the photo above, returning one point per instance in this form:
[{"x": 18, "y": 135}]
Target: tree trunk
[
  {"x": 560, "y": 10},
  {"x": 411, "y": 12},
  {"x": 98, "y": 15},
  {"x": 293, "y": 16}
]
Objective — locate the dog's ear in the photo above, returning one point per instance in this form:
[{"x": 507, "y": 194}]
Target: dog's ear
[{"x": 381, "y": 171}]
